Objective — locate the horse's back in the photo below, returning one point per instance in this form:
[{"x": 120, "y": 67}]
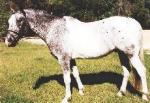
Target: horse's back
[
  {"x": 122, "y": 23},
  {"x": 97, "y": 38}
]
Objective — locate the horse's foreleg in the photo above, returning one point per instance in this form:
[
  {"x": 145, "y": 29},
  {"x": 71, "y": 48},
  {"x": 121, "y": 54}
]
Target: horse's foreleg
[
  {"x": 65, "y": 64},
  {"x": 67, "y": 80},
  {"x": 141, "y": 70},
  {"x": 126, "y": 68},
  {"x": 75, "y": 73}
]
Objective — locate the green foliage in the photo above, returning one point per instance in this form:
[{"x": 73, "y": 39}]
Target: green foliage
[
  {"x": 85, "y": 10},
  {"x": 143, "y": 16},
  {"x": 147, "y": 4},
  {"x": 3, "y": 17},
  {"x": 141, "y": 13}
]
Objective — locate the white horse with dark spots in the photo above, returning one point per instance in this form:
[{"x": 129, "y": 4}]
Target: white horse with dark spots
[{"x": 68, "y": 38}]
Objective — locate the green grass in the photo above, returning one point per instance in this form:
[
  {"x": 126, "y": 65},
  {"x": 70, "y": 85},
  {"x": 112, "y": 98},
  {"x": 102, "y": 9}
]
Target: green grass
[{"x": 27, "y": 65}]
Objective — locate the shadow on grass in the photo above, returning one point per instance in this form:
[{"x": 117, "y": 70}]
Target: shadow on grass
[{"x": 89, "y": 79}]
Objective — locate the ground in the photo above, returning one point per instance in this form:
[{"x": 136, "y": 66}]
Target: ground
[{"x": 29, "y": 74}]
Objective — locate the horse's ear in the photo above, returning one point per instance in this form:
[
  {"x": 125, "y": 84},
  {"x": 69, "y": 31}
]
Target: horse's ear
[{"x": 13, "y": 7}]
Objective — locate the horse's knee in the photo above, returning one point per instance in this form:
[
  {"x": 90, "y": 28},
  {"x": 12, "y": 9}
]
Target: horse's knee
[
  {"x": 64, "y": 62},
  {"x": 66, "y": 76}
]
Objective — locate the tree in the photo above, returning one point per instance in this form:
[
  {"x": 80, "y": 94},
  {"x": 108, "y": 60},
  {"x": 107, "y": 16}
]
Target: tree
[
  {"x": 125, "y": 8},
  {"x": 141, "y": 13},
  {"x": 147, "y": 4},
  {"x": 84, "y": 10},
  {"x": 3, "y": 17}
]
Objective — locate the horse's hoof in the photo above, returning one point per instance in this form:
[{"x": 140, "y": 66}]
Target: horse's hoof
[
  {"x": 64, "y": 101},
  {"x": 81, "y": 92},
  {"x": 69, "y": 99},
  {"x": 119, "y": 94},
  {"x": 144, "y": 97}
]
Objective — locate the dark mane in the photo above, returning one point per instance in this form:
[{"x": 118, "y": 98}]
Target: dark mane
[{"x": 40, "y": 15}]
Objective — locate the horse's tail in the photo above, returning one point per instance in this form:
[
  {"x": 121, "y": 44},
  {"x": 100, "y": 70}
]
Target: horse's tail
[{"x": 137, "y": 80}]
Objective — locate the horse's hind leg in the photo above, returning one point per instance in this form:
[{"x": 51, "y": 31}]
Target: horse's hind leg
[
  {"x": 126, "y": 69},
  {"x": 75, "y": 73},
  {"x": 141, "y": 70}
]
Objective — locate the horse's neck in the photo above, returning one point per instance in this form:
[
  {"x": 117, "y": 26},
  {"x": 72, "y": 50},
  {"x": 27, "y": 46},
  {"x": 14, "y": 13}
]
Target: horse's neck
[
  {"x": 37, "y": 24},
  {"x": 39, "y": 29}
]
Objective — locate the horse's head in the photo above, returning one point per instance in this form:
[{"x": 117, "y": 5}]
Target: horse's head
[{"x": 17, "y": 26}]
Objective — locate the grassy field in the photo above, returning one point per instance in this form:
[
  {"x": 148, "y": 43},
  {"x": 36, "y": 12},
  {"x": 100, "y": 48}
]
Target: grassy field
[{"x": 29, "y": 74}]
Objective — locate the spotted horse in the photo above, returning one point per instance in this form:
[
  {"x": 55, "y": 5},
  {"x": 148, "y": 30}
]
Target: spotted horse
[{"x": 68, "y": 38}]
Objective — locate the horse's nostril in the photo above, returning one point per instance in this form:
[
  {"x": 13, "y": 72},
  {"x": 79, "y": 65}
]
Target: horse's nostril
[{"x": 9, "y": 39}]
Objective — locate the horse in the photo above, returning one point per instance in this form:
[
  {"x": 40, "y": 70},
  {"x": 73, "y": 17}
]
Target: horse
[{"x": 68, "y": 38}]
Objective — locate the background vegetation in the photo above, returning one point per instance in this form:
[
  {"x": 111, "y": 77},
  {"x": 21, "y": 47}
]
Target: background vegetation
[
  {"x": 85, "y": 10},
  {"x": 29, "y": 74},
  {"x": 3, "y": 17}
]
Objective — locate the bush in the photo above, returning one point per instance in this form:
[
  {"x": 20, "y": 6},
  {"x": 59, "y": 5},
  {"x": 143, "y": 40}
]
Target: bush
[
  {"x": 84, "y": 10},
  {"x": 142, "y": 15},
  {"x": 3, "y": 17}
]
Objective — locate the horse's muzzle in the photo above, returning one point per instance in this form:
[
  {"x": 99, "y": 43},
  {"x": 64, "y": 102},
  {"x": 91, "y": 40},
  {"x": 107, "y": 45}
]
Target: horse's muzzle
[{"x": 10, "y": 42}]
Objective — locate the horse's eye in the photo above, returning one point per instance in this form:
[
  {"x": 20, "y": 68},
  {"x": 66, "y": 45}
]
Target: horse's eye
[{"x": 19, "y": 20}]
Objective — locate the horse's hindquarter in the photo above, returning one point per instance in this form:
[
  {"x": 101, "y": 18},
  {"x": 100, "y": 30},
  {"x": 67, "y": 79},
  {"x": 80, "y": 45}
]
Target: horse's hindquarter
[
  {"x": 125, "y": 32},
  {"x": 85, "y": 40}
]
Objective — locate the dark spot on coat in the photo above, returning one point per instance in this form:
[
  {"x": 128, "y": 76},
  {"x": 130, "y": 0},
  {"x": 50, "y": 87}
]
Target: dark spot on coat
[{"x": 122, "y": 38}]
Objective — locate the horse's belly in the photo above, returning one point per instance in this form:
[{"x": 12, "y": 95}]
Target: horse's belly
[
  {"x": 87, "y": 47},
  {"x": 89, "y": 52}
]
